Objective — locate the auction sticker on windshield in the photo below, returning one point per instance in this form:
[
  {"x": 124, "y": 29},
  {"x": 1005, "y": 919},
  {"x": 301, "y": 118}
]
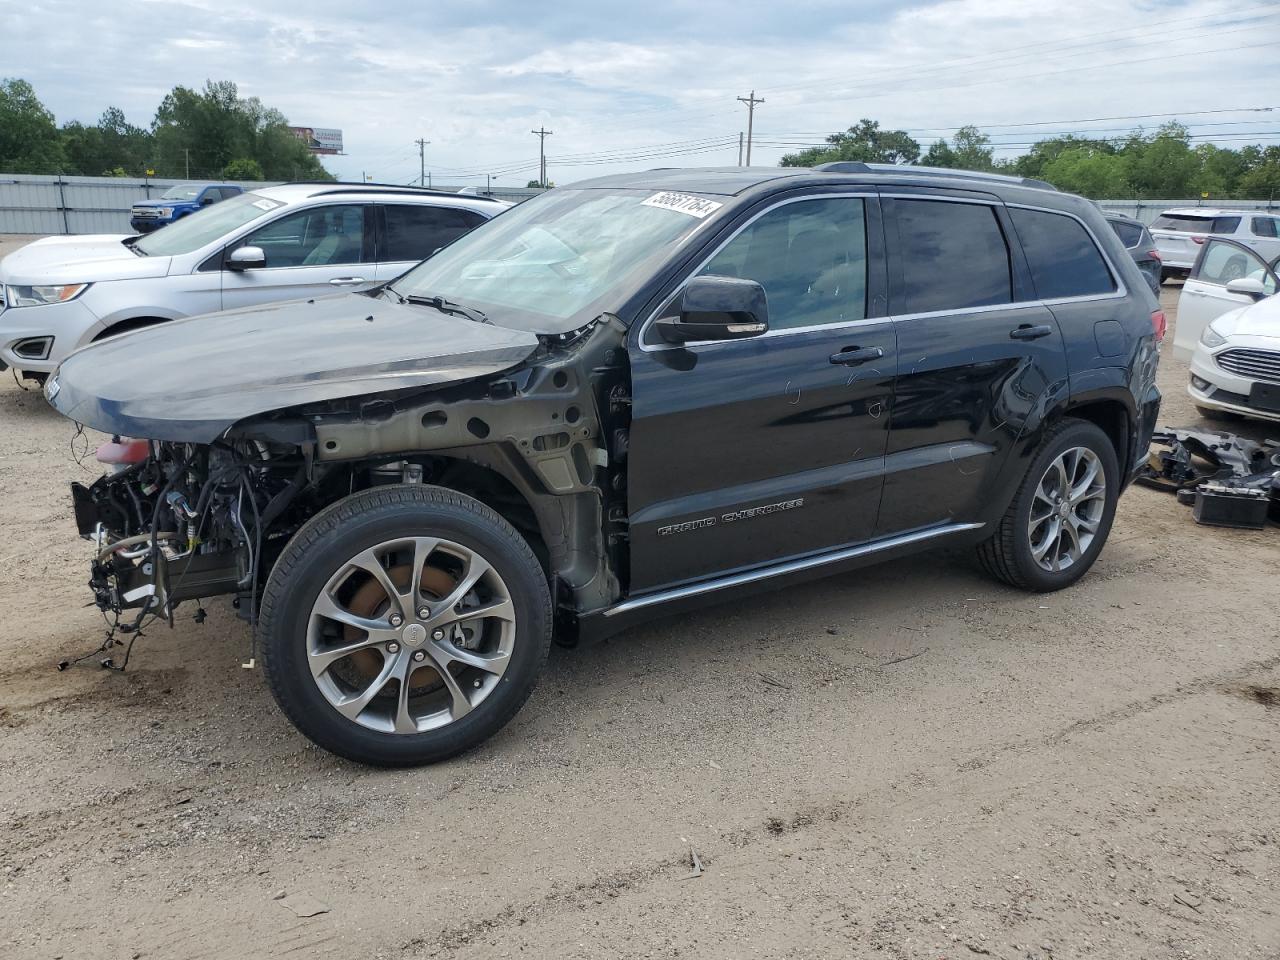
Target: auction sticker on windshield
[{"x": 683, "y": 203}]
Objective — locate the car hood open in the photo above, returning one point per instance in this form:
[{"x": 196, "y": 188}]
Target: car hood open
[{"x": 190, "y": 380}]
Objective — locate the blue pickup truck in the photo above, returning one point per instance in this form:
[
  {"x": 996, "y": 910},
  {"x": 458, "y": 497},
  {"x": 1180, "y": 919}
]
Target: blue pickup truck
[{"x": 176, "y": 202}]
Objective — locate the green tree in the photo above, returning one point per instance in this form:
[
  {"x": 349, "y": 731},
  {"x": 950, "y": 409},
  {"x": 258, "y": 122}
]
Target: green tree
[
  {"x": 864, "y": 141},
  {"x": 970, "y": 149},
  {"x": 217, "y": 126},
  {"x": 243, "y": 168},
  {"x": 113, "y": 144},
  {"x": 1163, "y": 165},
  {"x": 1089, "y": 171},
  {"x": 1262, "y": 180},
  {"x": 29, "y": 141}
]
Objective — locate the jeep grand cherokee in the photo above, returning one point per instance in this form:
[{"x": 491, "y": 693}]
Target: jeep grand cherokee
[{"x": 620, "y": 399}]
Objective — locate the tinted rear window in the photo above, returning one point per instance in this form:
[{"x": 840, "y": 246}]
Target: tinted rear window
[
  {"x": 416, "y": 232},
  {"x": 1130, "y": 234},
  {"x": 953, "y": 256},
  {"x": 1190, "y": 224},
  {"x": 1064, "y": 260},
  {"x": 1263, "y": 227}
]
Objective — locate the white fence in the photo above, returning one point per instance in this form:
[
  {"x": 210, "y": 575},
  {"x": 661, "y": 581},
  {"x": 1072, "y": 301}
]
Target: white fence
[{"x": 47, "y": 205}]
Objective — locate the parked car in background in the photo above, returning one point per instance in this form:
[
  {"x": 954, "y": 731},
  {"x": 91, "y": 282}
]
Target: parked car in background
[
  {"x": 1141, "y": 245},
  {"x": 180, "y": 200},
  {"x": 276, "y": 243},
  {"x": 633, "y": 396},
  {"x": 1179, "y": 234},
  {"x": 1225, "y": 276},
  {"x": 1232, "y": 332}
]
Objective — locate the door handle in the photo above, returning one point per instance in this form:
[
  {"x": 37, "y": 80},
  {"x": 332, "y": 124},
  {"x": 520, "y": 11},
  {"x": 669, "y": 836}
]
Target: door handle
[
  {"x": 853, "y": 356},
  {"x": 1027, "y": 332},
  {"x": 345, "y": 281}
]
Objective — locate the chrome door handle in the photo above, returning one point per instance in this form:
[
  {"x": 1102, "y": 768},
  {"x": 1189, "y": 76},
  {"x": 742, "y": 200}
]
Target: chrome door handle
[
  {"x": 1028, "y": 332},
  {"x": 345, "y": 281},
  {"x": 853, "y": 356}
]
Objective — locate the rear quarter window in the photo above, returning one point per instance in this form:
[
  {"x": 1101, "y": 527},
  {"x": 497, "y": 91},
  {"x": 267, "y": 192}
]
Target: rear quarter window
[
  {"x": 1130, "y": 234},
  {"x": 1064, "y": 260}
]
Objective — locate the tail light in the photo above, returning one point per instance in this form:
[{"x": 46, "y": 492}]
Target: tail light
[
  {"x": 1197, "y": 239},
  {"x": 1155, "y": 255},
  {"x": 1158, "y": 325}
]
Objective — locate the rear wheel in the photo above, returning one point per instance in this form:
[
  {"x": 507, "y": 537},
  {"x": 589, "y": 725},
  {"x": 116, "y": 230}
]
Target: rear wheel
[
  {"x": 1060, "y": 518},
  {"x": 404, "y": 625}
]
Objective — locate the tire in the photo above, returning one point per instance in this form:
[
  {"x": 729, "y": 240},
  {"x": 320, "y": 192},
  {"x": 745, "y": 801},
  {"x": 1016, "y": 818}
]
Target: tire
[
  {"x": 1008, "y": 553},
  {"x": 324, "y": 596}
]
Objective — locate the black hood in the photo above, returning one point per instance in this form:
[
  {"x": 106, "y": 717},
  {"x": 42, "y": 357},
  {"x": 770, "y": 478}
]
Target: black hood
[{"x": 190, "y": 380}]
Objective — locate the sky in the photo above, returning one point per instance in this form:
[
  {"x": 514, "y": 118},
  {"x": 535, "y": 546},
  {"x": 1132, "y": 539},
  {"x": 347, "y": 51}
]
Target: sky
[{"x": 656, "y": 83}]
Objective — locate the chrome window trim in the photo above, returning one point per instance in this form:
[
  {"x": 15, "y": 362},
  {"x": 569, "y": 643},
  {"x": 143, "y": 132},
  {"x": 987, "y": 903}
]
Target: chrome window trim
[
  {"x": 653, "y": 317},
  {"x": 786, "y": 567}
]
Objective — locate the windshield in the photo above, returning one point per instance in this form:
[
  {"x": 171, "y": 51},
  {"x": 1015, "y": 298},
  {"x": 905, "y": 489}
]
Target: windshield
[
  {"x": 205, "y": 226},
  {"x": 559, "y": 260},
  {"x": 180, "y": 192}
]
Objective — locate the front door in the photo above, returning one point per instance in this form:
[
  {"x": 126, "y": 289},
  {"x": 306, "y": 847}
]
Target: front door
[
  {"x": 1205, "y": 296},
  {"x": 310, "y": 253},
  {"x": 977, "y": 352},
  {"x": 751, "y": 451}
]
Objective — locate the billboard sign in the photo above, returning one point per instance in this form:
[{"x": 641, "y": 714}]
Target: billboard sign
[{"x": 321, "y": 140}]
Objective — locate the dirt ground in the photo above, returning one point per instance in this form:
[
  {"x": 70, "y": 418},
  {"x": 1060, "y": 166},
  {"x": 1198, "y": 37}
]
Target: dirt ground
[{"x": 905, "y": 762}]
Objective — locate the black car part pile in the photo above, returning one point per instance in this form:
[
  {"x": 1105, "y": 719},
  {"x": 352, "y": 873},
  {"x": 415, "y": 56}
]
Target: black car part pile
[{"x": 1229, "y": 480}]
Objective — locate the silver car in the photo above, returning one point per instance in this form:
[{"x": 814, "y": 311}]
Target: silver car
[{"x": 275, "y": 243}]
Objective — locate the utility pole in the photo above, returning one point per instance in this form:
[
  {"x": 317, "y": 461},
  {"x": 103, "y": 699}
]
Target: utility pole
[
  {"x": 751, "y": 102},
  {"x": 739, "y": 148},
  {"x": 487, "y": 188},
  {"x": 422, "y": 161},
  {"x": 542, "y": 135},
  {"x": 188, "y": 156}
]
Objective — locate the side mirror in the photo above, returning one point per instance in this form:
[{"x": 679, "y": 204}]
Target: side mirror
[
  {"x": 717, "y": 308},
  {"x": 1247, "y": 286},
  {"x": 246, "y": 258},
  {"x": 205, "y": 201}
]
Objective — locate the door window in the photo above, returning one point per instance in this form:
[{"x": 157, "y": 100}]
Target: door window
[
  {"x": 415, "y": 232},
  {"x": 811, "y": 258},
  {"x": 317, "y": 237},
  {"x": 1223, "y": 262},
  {"x": 1063, "y": 258},
  {"x": 953, "y": 256},
  {"x": 1263, "y": 227}
]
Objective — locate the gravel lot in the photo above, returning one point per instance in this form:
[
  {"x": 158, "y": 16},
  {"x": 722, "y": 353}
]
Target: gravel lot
[{"x": 908, "y": 761}]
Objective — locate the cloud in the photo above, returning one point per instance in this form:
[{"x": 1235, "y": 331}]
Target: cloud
[{"x": 475, "y": 78}]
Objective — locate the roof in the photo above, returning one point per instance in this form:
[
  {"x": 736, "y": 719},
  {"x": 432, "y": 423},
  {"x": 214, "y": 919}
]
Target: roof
[
  {"x": 295, "y": 192},
  {"x": 1207, "y": 212},
  {"x": 733, "y": 181}
]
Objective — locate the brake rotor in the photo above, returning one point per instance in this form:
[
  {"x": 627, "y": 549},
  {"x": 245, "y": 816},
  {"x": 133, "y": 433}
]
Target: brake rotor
[{"x": 370, "y": 600}]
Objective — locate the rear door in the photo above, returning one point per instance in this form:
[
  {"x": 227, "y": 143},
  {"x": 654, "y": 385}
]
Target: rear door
[
  {"x": 1205, "y": 296},
  {"x": 311, "y": 252},
  {"x": 411, "y": 232},
  {"x": 976, "y": 354}
]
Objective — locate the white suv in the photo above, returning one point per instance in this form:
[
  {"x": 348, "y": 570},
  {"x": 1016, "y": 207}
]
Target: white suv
[
  {"x": 276, "y": 243},
  {"x": 1180, "y": 233}
]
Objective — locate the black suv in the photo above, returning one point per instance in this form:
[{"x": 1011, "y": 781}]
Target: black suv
[{"x": 618, "y": 400}]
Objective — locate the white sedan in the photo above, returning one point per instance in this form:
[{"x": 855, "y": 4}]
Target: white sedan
[{"x": 1229, "y": 323}]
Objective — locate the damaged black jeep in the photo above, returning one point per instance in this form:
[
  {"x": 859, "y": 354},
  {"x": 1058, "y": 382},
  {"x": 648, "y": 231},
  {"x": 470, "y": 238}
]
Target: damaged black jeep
[{"x": 617, "y": 400}]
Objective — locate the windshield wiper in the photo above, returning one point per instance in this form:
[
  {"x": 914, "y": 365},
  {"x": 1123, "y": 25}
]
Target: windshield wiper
[
  {"x": 446, "y": 306},
  {"x": 131, "y": 242}
]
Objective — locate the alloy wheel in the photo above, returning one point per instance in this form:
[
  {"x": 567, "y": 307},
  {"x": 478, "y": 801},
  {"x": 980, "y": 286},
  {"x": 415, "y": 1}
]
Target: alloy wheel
[
  {"x": 411, "y": 635},
  {"x": 1067, "y": 509}
]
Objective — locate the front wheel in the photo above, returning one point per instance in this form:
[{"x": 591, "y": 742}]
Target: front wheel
[
  {"x": 1062, "y": 513},
  {"x": 404, "y": 624}
]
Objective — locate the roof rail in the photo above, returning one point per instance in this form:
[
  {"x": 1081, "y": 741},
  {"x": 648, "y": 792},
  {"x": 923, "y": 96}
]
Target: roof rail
[
  {"x": 912, "y": 170},
  {"x": 342, "y": 186}
]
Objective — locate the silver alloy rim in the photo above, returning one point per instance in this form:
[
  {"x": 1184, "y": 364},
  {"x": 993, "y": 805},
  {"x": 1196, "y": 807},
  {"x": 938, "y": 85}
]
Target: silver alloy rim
[
  {"x": 1067, "y": 509},
  {"x": 411, "y": 635}
]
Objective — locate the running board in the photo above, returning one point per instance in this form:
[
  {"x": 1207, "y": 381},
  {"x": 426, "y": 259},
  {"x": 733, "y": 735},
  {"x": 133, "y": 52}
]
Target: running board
[{"x": 790, "y": 566}]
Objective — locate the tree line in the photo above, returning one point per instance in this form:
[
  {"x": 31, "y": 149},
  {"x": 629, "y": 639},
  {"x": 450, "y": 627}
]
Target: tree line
[
  {"x": 210, "y": 134},
  {"x": 1160, "y": 165}
]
